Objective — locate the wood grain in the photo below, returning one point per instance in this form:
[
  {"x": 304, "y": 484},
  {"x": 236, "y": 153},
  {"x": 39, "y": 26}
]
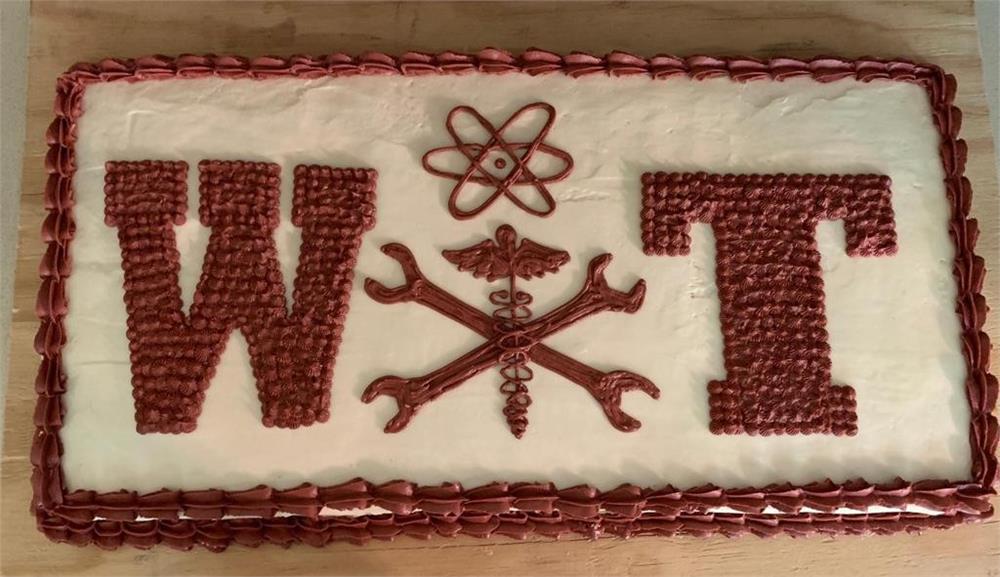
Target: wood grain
[{"x": 943, "y": 33}]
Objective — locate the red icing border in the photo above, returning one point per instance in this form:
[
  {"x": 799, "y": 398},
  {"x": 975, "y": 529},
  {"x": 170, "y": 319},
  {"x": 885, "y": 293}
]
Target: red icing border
[
  {"x": 219, "y": 535},
  {"x": 485, "y": 511}
]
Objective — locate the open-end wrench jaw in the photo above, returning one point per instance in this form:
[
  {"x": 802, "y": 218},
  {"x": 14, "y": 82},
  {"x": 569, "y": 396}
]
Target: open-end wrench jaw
[
  {"x": 610, "y": 391},
  {"x": 597, "y": 284},
  {"x": 399, "y": 389},
  {"x": 414, "y": 279}
]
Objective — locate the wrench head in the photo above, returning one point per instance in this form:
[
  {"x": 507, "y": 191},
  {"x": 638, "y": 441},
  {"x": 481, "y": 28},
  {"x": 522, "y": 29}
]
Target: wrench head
[
  {"x": 385, "y": 295},
  {"x": 612, "y": 386},
  {"x": 597, "y": 283},
  {"x": 398, "y": 389},
  {"x": 406, "y": 260},
  {"x": 414, "y": 279}
]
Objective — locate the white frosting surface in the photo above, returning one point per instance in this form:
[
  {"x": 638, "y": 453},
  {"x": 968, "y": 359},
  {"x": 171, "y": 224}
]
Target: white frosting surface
[{"x": 893, "y": 330}]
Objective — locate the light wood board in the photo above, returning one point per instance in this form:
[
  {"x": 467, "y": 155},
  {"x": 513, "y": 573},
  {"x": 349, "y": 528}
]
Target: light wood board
[{"x": 943, "y": 33}]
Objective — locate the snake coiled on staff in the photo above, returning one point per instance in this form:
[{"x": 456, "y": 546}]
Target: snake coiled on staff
[{"x": 508, "y": 319}]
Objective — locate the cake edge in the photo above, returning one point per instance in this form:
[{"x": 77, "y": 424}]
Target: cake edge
[{"x": 515, "y": 510}]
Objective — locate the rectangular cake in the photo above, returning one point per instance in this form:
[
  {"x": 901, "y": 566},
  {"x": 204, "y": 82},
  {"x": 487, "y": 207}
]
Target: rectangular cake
[{"x": 351, "y": 298}]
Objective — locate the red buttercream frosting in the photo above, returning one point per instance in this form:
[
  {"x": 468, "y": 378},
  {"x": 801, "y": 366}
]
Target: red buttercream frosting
[
  {"x": 513, "y": 338},
  {"x": 771, "y": 285},
  {"x": 960, "y": 502},
  {"x": 173, "y": 356}
]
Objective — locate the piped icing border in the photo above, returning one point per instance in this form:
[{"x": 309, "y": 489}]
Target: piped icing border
[
  {"x": 218, "y": 535},
  {"x": 538, "y": 509}
]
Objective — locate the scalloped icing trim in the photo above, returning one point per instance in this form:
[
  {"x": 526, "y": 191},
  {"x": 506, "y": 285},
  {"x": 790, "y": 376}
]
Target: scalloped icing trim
[
  {"x": 450, "y": 510},
  {"x": 218, "y": 535}
]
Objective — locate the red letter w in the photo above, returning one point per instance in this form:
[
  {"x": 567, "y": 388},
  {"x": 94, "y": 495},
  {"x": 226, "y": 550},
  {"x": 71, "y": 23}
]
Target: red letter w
[{"x": 174, "y": 356}]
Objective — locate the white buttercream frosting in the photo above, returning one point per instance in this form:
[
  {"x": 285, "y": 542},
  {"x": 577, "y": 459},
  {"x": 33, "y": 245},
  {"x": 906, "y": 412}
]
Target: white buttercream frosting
[{"x": 893, "y": 329}]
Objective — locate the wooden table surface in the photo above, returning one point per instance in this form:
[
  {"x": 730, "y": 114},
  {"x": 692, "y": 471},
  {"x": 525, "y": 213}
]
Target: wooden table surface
[{"x": 62, "y": 33}]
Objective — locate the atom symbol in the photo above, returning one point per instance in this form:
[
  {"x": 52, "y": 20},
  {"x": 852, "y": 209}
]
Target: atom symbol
[{"x": 520, "y": 153}]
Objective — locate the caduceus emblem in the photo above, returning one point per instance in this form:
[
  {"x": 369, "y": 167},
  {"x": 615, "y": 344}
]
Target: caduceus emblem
[
  {"x": 505, "y": 259},
  {"x": 514, "y": 336}
]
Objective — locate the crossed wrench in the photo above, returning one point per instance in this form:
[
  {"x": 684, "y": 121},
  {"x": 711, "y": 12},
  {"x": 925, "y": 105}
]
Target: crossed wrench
[{"x": 595, "y": 296}]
